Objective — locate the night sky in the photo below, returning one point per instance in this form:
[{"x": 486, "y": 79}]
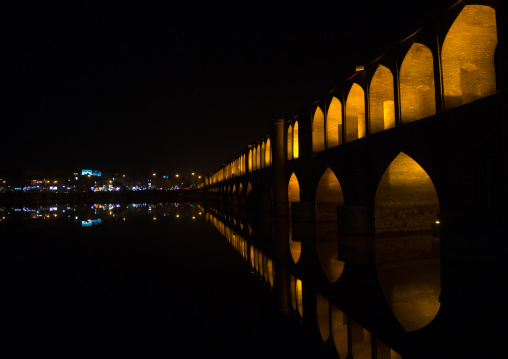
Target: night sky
[{"x": 173, "y": 88}]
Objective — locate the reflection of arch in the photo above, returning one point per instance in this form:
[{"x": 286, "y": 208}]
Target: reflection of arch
[
  {"x": 268, "y": 153},
  {"x": 381, "y": 103},
  {"x": 355, "y": 113},
  {"x": 249, "y": 189},
  {"x": 417, "y": 90},
  {"x": 323, "y": 316},
  {"x": 293, "y": 190},
  {"x": 468, "y": 56},
  {"x": 328, "y": 197},
  {"x": 296, "y": 148},
  {"x": 318, "y": 131},
  {"x": 406, "y": 199},
  {"x": 407, "y": 203},
  {"x": 290, "y": 143},
  {"x": 334, "y": 123},
  {"x": 240, "y": 188}
]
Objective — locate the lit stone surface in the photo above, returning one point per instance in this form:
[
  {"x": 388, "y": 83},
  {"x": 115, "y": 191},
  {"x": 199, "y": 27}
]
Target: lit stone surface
[
  {"x": 417, "y": 90},
  {"x": 327, "y": 248},
  {"x": 406, "y": 199},
  {"x": 355, "y": 113},
  {"x": 290, "y": 143},
  {"x": 381, "y": 103},
  {"x": 296, "y": 148},
  {"x": 293, "y": 191},
  {"x": 339, "y": 330},
  {"x": 334, "y": 123},
  {"x": 328, "y": 197},
  {"x": 323, "y": 317},
  {"x": 318, "y": 131},
  {"x": 468, "y": 56}
]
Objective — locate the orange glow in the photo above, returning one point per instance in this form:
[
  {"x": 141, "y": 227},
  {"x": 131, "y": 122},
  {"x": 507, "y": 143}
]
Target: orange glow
[
  {"x": 263, "y": 155},
  {"x": 417, "y": 90},
  {"x": 249, "y": 189},
  {"x": 250, "y": 160},
  {"x": 293, "y": 191},
  {"x": 468, "y": 56},
  {"x": 268, "y": 153},
  {"x": 355, "y": 113},
  {"x": 290, "y": 143},
  {"x": 299, "y": 296},
  {"x": 295, "y": 248},
  {"x": 334, "y": 124},
  {"x": 339, "y": 330},
  {"x": 406, "y": 199},
  {"x": 318, "y": 131},
  {"x": 323, "y": 313},
  {"x": 381, "y": 103},
  {"x": 328, "y": 196},
  {"x": 296, "y": 151}
]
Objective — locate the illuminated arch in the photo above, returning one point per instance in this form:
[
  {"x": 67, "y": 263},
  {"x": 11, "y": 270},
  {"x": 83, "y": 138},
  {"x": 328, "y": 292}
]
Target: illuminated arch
[
  {"x": 417, "y": 89},
  {"x": 258, "y": 156},
  {"x": 250, "y": 160},
  {"x": 296, "y": 148},
  {"x": 404, "y": 187},
  {"x": 334, "y": 123},
  {"x": 406, "y": 206},
  {"x": 294, "y": 196},
  {"x": 381, "y": 102},
  {"x": 262, "y": 156},
  {"x": 318, "y": 131},
  {"x": 290, "y": 143},
  {"x": 355, "y": 113},
  {"x": 468, "y": 56},
  {"x": 268, "y": 153},
  {"x": 328, "y": 196}
]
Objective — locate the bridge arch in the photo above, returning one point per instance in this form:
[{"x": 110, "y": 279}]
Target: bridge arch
[
  {"x": 355, "y": 113},
  {"x": 467, "y": 56},
  {"x": 334, "y": 123},
  {"x": 406, "y": 206},
  {"x": 268, "y": 153},
  {"x": 318, "y": 131},
  {"x": 381, "y": 100},
  {"x": 417, "y": 87},
  {"x": 328, "y": 197},
  {"x": 293, "y": 190},
  {"x": 262, "y": 156}
]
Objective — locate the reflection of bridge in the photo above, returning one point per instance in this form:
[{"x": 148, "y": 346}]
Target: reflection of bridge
[{"x": 412, "y": 141}]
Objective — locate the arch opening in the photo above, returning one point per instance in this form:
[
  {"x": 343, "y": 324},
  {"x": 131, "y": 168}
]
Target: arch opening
[
  {"x": 355, "y": 113},
  {"x": 318, "y": 131},
  {"x": 334, "y": 124},
  {"x": 290, "y": 143},
  {"x": 417, "y": 89},
  {"x": 381, "y": 100},
  {"x": 293, "y": 196},
  {"x": 407, "y": 256},
  {"x": 268, "y": 153},
  {"x": 467, "y": 56},
  {"x": 296, "y": 148}
]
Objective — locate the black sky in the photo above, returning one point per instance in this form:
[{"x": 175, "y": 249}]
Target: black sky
[{"x": 173, "y": 87}]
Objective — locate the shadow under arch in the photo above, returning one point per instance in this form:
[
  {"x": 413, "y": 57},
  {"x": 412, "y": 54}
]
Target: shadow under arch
[{"x": 407, "y": 255}]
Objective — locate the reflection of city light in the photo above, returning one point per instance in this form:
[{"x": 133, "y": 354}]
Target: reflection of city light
[
  {"x": 124, "y": 219},
  {"x": 154, "y": 218},
  {"x": 193, "y": 217},
  {"x": 177, "y": 216},
  {"x": 437, "y": 222}
]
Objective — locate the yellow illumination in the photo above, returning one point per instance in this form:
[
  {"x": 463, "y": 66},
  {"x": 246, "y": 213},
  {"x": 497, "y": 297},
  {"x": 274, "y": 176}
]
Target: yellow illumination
[
  {"x": 328, "y": 197},
  {"x": 381, "y": 100},
  {"x": 355, "y": 113},
  {"x": 417, "y": 90},
  {"x": 290, "y": 143},
  {"x": 193, "y": 217},
  {"x": 154, "y": 218},
  {"x": 318, "y": 131},
  {"x": 334, "y": 123},
  {"x": 177, "y": 175},
  {"x": 468, "y": 56},
  {"x": 154, "y": 174},
  {"x": 437, "y": 222},
  {"x": 296, "y": 151},
  {"x": 177, "y": 216},
  {"x": 124, "y": 218}
]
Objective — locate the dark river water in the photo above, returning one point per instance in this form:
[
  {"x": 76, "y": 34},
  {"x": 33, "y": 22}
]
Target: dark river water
[
  {"x": 190, "y": 280},
  {"x": 150, "y": 279}
]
